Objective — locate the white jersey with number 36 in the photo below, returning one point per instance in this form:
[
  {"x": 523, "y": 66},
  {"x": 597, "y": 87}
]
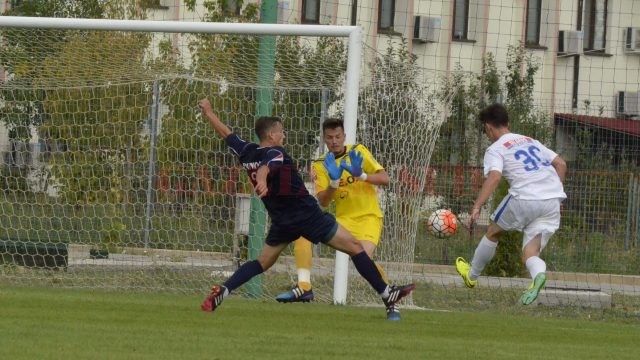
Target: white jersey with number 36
[{"x": 526, "y": 164}]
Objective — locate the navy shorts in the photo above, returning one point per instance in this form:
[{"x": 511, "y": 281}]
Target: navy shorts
[{"x": 318, "y": 228}]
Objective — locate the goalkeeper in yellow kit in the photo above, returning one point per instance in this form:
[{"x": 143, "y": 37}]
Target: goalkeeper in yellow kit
[{"x": 352, "y": 185}]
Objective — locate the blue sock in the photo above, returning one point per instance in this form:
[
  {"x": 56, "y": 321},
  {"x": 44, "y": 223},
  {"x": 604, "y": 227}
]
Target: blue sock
[
  {"x": 243, "y": 274},
  {"x": 367, "y": 268}
]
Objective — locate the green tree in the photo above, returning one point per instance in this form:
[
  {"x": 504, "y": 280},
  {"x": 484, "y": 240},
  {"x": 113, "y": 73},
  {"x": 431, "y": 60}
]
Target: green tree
[
  {"x": 389, "y": 104},
  {"x": 525, "y": 115},
  {"x": 98, "y": 116},
  {"x": 84, "y": 93},
  {"x": 23, "y": 57}
]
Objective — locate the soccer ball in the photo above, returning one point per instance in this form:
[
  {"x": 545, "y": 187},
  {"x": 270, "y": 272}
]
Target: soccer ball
[{"x": 442, "y": 223}]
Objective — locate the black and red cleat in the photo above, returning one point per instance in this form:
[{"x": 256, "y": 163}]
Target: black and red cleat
[
  {"x": 396, "y": 293},
  {"x": 214, "y": 299}
]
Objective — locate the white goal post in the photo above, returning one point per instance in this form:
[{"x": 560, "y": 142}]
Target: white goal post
[{"x": 354, "y": 50}]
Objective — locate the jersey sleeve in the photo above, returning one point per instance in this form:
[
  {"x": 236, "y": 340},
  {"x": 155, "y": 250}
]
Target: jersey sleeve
[
  {"x": 273, "y": 157},
  {"x": 369, "y": 164},
  {"x": 492, "y": 161},
  {"x": 320, "y": 176},
  {"x": 236, "y": 144}
]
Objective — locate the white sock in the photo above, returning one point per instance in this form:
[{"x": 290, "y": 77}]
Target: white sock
[
  {"x": 484, "y": 253},
  {"x": 304, "y": 275},
  {"x": 535, "y": 265},
  {"x": 225, "y": 293},
  {"x": 385, "y": 293}
]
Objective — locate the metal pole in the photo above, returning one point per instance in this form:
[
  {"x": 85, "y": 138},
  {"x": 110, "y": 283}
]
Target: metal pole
[
  {"x": 354, "y": 53},
  {"x": 324, "y": 104},
  {"x": 151, "y": 176},
  {"x": 266, "y": 63},
  {"x": 630, "y": 201},
  {"x": 179, "y": 26},
  {"x": 636, "y": 201}
]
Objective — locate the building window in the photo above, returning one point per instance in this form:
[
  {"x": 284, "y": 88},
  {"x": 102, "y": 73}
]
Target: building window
[
  {"x": 386, "y": 14},
  {"x": 310, "y": 11},
  {"x": 534, "y": 8},
  {"x": 460, "y": 19},
  {"x": 595, "y": 25}
]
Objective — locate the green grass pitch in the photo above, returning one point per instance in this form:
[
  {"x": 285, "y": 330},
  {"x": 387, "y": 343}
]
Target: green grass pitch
[{"x": 46, "y": 323}]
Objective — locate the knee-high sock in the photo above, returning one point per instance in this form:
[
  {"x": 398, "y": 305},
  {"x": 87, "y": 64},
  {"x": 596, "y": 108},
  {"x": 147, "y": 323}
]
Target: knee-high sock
[
  {"x": 303, "y": 253},
  {"x": 367, "y": 268},
  {"x": 484, "y": 253},
  {"x": 535, "y": 265},
  {"x": 382, "y": 273},
  {"x": 243, "y": 274}
]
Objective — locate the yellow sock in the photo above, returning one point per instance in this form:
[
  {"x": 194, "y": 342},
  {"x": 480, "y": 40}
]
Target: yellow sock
[
  {"x": 303, "y": 254},
  {"x": 382, "y": 273}
]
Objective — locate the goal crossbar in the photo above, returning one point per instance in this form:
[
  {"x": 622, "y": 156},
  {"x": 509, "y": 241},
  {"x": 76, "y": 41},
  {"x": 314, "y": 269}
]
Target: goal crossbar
[{"x": 176, "y": 26}]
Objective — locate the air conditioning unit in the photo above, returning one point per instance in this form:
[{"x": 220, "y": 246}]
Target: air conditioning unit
[
  {"x": 628, "y": 103},
  {"x": 570, "y": 42},
  {"x": 632, "y": 40},
  {"x": 427, "y": 28}
]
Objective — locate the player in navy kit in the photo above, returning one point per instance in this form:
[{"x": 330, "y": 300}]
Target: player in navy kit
[{"x": 293, "y": 211}]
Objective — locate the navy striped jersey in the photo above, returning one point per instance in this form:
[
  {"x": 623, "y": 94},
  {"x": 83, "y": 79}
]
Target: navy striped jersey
[{"x": 287, "y": 200}]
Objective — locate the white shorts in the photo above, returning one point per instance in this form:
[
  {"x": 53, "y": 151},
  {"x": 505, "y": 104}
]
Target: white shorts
[{"x": 531, "y": 217}]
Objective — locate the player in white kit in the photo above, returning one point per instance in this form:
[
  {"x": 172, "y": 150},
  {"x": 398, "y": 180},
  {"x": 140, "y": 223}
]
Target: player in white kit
[{"x": 535, "y": 175}]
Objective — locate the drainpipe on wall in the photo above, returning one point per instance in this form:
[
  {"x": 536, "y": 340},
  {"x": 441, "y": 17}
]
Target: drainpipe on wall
[
  {"x": 450, "y": 36},
  {"x": 175, "y": 38},
  {"x": 555, "y": 61},
  {"x": 576, "y": 64}
]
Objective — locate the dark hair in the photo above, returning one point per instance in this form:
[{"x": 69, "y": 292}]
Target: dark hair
[
  {"x": 264, "y": 124},
  {"x": 495, "y": 115},
  {"x": 332, "y": 123}
]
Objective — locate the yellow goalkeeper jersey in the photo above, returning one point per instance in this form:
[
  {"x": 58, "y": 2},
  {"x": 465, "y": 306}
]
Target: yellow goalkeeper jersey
[{"x": 354, "y": 197}]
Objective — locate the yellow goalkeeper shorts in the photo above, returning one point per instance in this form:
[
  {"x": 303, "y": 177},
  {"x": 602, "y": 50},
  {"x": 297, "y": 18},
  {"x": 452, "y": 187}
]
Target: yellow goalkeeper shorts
[{"x": 368, "y": 227}]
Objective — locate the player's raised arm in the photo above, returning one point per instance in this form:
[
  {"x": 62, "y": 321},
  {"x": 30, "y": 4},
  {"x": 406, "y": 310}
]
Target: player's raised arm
[{"x": 218, "y": 126}]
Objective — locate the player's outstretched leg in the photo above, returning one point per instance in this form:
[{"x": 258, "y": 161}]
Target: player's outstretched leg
[
  {"x": 368, "y": 270},
  {"x": 217, "y": 294},
  {"x": 464, "y": 268},
  {"x": 296, "y": 294},
  {"x": 345, "y": 242},
  {"x": 248, "y": 270},
  {"x": 531, "y": 294},
  {"x": 390, "y": 294}
]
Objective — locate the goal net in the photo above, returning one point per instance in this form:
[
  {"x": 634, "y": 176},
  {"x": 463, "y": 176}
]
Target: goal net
[{"x": 111, "y": 177}]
